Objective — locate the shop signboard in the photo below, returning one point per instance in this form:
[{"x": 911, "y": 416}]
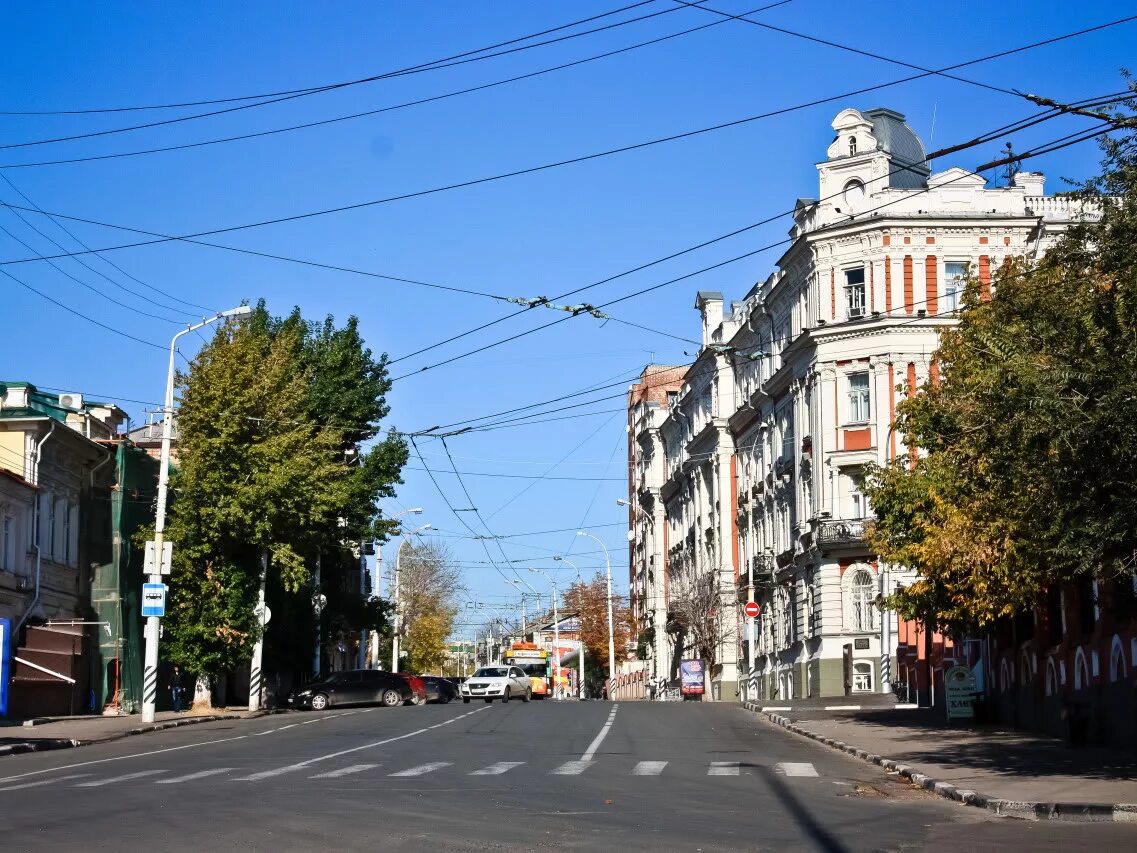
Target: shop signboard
[{"x": 959, "y": 687}]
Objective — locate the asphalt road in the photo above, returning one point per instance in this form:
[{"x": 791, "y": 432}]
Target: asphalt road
[{"x": 563, "y": 776}]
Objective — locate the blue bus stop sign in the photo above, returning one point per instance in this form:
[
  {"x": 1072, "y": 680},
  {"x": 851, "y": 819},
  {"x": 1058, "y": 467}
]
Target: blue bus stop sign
[{"x": 154, "y": 599}]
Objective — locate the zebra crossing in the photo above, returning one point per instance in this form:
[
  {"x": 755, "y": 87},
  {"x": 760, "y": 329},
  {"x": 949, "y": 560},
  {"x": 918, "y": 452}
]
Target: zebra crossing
[{"x": 714, "y": 769}]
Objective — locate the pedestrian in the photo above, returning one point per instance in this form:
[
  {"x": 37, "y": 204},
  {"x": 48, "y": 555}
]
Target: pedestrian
[{"x": 177, "y": 689}]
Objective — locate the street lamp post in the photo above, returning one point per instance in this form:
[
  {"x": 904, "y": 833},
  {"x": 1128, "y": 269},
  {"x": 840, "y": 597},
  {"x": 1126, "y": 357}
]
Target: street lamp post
[
  {"x": 580, "y": 619},
  {"x": 150, "y": 667},
  {"x": 398, "y": 590},
  {"x": 556, "y": 634},
  {"x": 611, "y": 634}
]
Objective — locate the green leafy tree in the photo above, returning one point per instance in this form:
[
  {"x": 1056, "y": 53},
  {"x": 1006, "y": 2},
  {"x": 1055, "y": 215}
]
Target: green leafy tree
[
  {"x": 1031, "y": 436},
  {"x": 272, "y": 419}
]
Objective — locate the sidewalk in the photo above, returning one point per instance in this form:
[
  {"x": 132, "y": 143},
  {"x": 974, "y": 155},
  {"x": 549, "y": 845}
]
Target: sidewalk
[
  {"x": 1008, "y": 772},
  {"x": 43, "y": 733}
]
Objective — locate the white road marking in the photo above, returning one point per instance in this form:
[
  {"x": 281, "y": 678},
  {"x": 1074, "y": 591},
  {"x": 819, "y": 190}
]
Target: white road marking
[
  {"x": 649, "y": 768},
  {"x": 723, "y": 768},
  {"x": 202, "y": 774},
  {"x": 599, "y": 739},
  {"x": 288, "y": 768},
  {"x": 497, "y": 769},
  {"x": 423, "y": 769},
  {"x": 344, "y": 771},
  {"x": 121, "y": 758},
  {"x": 572, "y": 768},
  {"x": 115, "y": 779},
  {"x": 45, "y": 782},
  {"x": 792, "y": 768}
]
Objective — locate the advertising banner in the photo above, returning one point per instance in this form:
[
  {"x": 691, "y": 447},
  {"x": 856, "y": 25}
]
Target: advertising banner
[
  {"x": 691, "y": 677},
  {"x": 959, "y": 683}
]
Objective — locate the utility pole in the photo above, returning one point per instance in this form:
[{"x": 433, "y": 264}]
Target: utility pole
[
  {"x": 398, "y": 588},
  {"x": 611, "y": 632},
  {"x": 318, "y": 606},
  {"x": 150, "y": 658},
  {"x": 556, "y": 634},
  {"x": 256, "y": 679}
]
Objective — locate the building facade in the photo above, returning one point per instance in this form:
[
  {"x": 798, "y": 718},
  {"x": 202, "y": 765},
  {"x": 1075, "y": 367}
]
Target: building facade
[
  {"x": 649, "y": 399},
  {"x": 795, "y": 390},
  {"x": 51, "y": 444}
]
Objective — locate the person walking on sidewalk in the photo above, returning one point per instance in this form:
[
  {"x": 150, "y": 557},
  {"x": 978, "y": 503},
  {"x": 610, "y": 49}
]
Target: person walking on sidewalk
[{"x": 177, "y": 689}]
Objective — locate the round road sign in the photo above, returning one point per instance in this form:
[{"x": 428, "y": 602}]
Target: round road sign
[{"x": 752, "y": 609}]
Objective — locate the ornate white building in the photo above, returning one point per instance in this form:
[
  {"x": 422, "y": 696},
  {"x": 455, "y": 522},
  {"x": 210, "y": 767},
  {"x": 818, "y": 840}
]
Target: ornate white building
[{"x": 795, "y": 389}]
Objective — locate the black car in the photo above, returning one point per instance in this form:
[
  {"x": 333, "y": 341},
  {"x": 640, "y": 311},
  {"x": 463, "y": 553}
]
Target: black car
[
  {"x": 438, "y": 689},
  {"x": 352, "y": 687}
]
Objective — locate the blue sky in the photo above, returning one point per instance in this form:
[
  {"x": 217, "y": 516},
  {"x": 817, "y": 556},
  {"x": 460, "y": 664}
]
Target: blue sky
[{"x": 540, "y": 234}]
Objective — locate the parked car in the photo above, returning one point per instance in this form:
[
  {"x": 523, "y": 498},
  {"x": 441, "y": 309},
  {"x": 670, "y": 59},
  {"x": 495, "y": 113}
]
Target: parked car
[
  {"x": 418, "y": 688},
  {"x": 438, "y": 689},
  {"x": 352, "y": 687},
  {"x": 497, "y": 682}
]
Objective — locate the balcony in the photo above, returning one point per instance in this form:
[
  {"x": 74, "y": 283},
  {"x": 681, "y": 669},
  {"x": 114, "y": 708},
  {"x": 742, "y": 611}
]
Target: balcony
[{"x": 840, "y": 533}]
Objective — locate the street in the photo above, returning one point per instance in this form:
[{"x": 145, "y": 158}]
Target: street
[{"x": 574, "y": 776}]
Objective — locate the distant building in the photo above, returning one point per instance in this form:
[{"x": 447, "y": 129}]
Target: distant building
[{"x": 649, "y": 400}]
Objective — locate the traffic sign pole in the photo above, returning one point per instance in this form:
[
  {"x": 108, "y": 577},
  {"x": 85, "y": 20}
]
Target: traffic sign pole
[{"x": 751, "y": 605}]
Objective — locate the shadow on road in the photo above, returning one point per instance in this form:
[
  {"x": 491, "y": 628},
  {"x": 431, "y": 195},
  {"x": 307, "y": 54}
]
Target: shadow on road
[{"x": 821, "y": 837}]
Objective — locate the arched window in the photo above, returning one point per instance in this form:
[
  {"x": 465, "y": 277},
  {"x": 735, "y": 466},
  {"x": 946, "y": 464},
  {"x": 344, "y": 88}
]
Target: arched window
[
  {"x": 1116, "y": 660},
  {"x": 862, "y": 610},
  {"x": 1006, "y": 681},
  {"x": 1081, "y": 671},
  {"x": 852, "y": 145},
  {"x": 1051, "y": 678}
]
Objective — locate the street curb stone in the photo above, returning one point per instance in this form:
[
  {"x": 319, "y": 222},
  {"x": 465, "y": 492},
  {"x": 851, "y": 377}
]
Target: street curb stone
[
  {"x": 47, "y": 744},
  {"x": 1024, "y": 810}
]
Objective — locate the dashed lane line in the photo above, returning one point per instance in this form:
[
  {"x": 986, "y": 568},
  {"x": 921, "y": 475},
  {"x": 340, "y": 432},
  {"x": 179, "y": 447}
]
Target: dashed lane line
[
  {"x": 45, "y": 782},
  {"x": 423, "y": 769},
  {"x": 649, "y": 768},
  {"x": 794, "y": 768},
  {"x": 498, "y": 768},
  {"x": 289, "y": 768},
  {"x": 122, "y": 757},
  {"x": 344, "y": 771},
  {"x": 723, "y": 768},
  {"x": 572, "y": 768},
  {"x": 201, "y": 774},
  {"x": 98, "y": 783}
]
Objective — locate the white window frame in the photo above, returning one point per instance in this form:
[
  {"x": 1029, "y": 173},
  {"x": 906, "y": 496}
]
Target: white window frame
[
  {"x": 861, "y": 607},
  {"x": 862, "y": 676},
  {"x": 954, "y": 284},
  {"x": 856, "y": 293},
  {"x": 8, "y": 552},
  {"x": 859, "y": 398}
]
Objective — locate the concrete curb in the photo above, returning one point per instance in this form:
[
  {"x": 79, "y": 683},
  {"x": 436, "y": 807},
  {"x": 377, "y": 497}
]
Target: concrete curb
[
  {"x": 1026, "y": 810},
  {"x": 46, "y": 744}
]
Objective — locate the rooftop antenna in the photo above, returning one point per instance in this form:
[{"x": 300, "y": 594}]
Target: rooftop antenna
[{"x": 1014, "y": 165}]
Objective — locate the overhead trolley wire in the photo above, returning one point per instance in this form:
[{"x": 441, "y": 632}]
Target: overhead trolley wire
[
  {"x": 745, "y": 255},
  {"x": 582, "y": 158},
  {"x": 377, "y": 111},
  {"x": 320, "y": 88}
]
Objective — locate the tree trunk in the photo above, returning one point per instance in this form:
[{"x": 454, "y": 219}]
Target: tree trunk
[{"x": 202, "y": 697}]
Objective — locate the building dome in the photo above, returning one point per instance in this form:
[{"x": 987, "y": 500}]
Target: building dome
[{"x": 902, "y": 145}]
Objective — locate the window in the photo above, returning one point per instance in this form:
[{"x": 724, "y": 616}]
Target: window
[
  {"x": 672, "y": 399},
  {"x": 852, "y": 145},
  {"x": 862, "y": 677},
  {"x": 855, "y": 292},
  {"x": 67, "y": 535},
  {"x": 858, "y": 398},
  {"x": 955, "y": 276},
  {"x": 8, "y": 554},
  {"x": 862, "y": 609},
  {"x": 51, "y": 528}
]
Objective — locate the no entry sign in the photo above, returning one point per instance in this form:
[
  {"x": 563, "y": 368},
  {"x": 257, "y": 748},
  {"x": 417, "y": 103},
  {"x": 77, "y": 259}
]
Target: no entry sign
[{"x": 752, "y": 609}]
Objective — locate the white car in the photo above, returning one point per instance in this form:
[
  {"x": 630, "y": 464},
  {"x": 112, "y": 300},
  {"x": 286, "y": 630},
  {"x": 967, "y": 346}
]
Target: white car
[{"x": 497, "y": 682}]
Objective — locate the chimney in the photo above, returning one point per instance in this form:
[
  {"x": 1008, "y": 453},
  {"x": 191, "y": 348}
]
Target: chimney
[{"x": 709, "y": 303}]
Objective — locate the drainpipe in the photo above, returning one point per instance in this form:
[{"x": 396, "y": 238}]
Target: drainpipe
[{"x": 35, "y": 527}]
